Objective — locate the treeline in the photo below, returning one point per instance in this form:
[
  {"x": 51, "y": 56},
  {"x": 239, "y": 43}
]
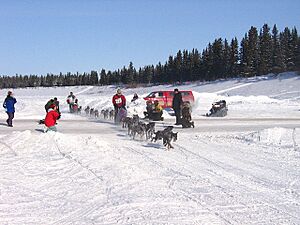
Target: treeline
[
  {"x": 49, "y": 80},
  {"x": 259, "y": 52}
]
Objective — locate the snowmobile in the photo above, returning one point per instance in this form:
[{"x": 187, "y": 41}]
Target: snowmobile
[{"x": 218, "y": 109}]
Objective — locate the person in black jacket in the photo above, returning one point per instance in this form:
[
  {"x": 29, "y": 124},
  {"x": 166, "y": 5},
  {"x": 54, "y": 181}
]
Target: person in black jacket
[{"x": 176, "y": 105}]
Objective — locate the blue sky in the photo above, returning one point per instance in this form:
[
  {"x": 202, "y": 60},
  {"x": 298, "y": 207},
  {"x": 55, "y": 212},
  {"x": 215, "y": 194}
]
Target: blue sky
[{"x": 39, "y": 36}]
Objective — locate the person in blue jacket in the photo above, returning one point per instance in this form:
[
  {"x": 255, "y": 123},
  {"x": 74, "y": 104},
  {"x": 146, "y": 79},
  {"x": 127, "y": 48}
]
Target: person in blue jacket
[{"x": 9, "y": 105}]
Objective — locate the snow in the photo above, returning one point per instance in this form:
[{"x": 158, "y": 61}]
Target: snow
[{"x": 240, "y": 169}]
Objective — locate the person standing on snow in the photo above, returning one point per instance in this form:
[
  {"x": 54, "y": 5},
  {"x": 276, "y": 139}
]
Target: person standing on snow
[
  {"x": 50, "y": 102},
  {"x": 70, "y": 100},
  {"x": 56, "y": 102},
  {"x": 9, "y": 105},
  {"x": 176, "y": 105},
  {"x": 119, "y": 101},
  {"x": 51, "y": 118}
]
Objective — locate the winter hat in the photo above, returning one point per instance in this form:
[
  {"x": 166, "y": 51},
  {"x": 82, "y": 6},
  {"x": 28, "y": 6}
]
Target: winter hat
[
  {"x": 119, "y": 91},
  {"x": 52, "y": 106},
  {"x": 176, "y": 89},
  {"x": 9, "y": 93}
]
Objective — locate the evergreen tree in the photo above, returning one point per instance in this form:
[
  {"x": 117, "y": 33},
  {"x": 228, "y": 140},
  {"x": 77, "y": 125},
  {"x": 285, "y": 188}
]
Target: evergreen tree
[
  {"x": 253, "y": 51},
  {"x": 265, "y": 50},
  {"x": 297, "y": 58},
  {"x": 217, "y": 67},
  {"x": 195, "y": 59},
  {"x": 234, "y": 58},
  {"x": 130, "y": 74},
  {"x": 249, "y": 53},
  {"x": 94, "y": 77},
  {"x": 103, "y": 78},
  {"x": 285, "y": 43},
  {"x": 226, "y": 60},
  {"x": 294, "y": 47},
  {"x": 177, "y": 69},
  {"x": 158, "y": 74},
  {"x": 277, "y": 60}
]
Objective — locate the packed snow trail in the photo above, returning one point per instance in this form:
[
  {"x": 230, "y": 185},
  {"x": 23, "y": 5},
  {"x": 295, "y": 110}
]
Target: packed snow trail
[
  {"x": 95, "y": 126},
  {"x": 108, "y": 178}
]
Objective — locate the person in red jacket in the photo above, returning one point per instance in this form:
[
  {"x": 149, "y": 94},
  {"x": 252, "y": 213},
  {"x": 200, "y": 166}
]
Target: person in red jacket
[
  {"x": 119, "y": 101},
  {"x": 51, "y": 118}
]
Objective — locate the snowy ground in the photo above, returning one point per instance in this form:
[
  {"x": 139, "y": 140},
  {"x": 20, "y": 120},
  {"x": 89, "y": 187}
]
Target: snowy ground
[{"x": 241, "y": 169}]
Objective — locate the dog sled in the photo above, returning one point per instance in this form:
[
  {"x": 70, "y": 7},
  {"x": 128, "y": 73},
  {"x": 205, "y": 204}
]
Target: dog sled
[
  {"x": 218, "y": 109},
  {"x": 121, "y": 115},
  {"x": 152, "y": 112}
]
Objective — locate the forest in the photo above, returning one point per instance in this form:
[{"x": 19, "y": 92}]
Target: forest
[{"x": 259, "y": 52}]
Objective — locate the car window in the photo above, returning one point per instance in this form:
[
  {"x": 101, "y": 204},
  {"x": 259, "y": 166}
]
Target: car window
[
  {"x": 160, "y": 94},
  {"x": 151, "y": 95},
  {"x": 185, "y": 93}
]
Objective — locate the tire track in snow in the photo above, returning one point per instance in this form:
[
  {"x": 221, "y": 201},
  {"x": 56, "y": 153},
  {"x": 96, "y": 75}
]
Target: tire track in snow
[
  {"x": 84, "y": 210},
  {"x": 245, "y": 187},
  {"x": 232, "y": 88},
  {"x": 172, "y": 180}
]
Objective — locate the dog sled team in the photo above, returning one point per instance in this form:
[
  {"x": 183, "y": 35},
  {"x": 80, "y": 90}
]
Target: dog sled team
[
  {"x": 147, "y": 130},
  {"x": 135, "y": 125}
]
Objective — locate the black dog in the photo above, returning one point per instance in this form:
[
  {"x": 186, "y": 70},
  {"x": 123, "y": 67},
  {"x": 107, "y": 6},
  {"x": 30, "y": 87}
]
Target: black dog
[
  {"x": 111, "y": 114},
  {"x": 168, "y": 137},
  {"x": 150, "y": 129},
  {"x": 87, "y": 110},
  {"x": 125, "y": 121},
  {"x": 160, "y": 133},
  {"x": 139, "y": 128},
  {"x": 79, "y": 109}
]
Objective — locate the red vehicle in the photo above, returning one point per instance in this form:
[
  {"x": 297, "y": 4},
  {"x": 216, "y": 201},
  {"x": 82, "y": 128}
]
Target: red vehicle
[{"x": 165, "y": 98}]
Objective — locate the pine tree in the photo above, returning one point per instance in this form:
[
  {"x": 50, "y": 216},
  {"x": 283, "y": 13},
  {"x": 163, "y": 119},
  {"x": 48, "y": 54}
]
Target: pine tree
[
  {"x": 294, "y": 47},
  {"x": 217, "y": 68},
  {"x": 253, "y": 51},
  {"x": 130, "y": 74},
  {"x": 159, "y": 74},
  {"x": 103, "y": 79},
  {"x": 234, "y": 58},
  {"x": 277, "y": 60},
  {"x": 177, "y": 76},
  {"x": 226, "y": 60},
  {"x": 186, "y": 66},
  {"x": 195, "y": 64},
  {"x": 249, "y": 53},
  {"x": 285, "y": 43},
  {"x": 265, "y": 50},
  {"x": 297, "y": 59},
  {"x": 94, "y": 77}
]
